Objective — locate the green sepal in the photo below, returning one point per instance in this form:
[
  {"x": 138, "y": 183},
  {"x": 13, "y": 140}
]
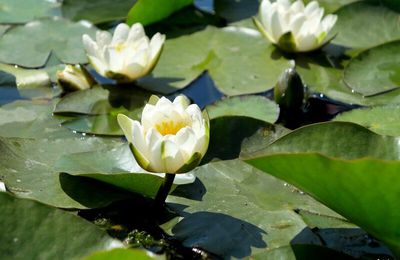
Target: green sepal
[
  {"x": 140, "y": 159},
  {"x": 287, "y": 42},
  {"x": 120, "y": 78},
  {"x": 191, "y": 163},
  {"x": 153, "y": 100},
  {"x": 260, "y": 27}
]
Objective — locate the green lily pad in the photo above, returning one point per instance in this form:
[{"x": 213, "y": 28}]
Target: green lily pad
[
  {"x": 329, "y": 81},
  {"x": 236, "y": 211},
  {"x": 383, "y": 120},
  {"x": 88, "y": 102},
  {"x": 101, "y": 124},
  {"x": 58, "y": 36},
  {"x": 27, "y": 79},
  {"x": 375, "y": 70},
  {"x": 336, "y": 162},
  {"x": 31, "y": 230},
  {"x": 116, "y": 167},
  {"x": 150, "y": 11},
  {"x": 27, "y": 169},
  {"x": 225, "y": 53},
  {"x": 99, "y": 11},
  {"x": 31, "y": 119},
  {"x": 121, "y": 253},
  {"x": 256, "y": 107},
  {"x": 3, "y": 29},
  {"x": 355, "y": 19},
  {"x": 22, "y": 11}
]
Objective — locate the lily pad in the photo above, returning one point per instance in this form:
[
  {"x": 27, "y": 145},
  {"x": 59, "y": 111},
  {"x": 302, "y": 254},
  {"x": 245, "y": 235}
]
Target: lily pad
[
  {"x": 118, "y": 168},
  {"x": 226, "y": 54},
  {"x": 88, "y": 102},
  {"x": 31, "y": 119},
  {"x": 375, "y": 70},
  {"x": 99, "y": 11},
  {"x": 150, "y": 11},
  {"x": 29, "y": 174},
  {"x": 236, "y": 211},
  {"x": 321, "y": 160},
  {"x": 58, "y": 36},
  {"x": 22, "y": 11},
  {"x": 27, "y": 79},
  {"x": 384, "y": 120},
  {"x": 31, "y": 230},
  {"x": 355, "y": 20},
  {"x": 256, "y": 107}
]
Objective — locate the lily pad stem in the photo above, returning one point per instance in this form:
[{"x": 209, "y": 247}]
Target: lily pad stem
[{"x": 163, "y": 191}]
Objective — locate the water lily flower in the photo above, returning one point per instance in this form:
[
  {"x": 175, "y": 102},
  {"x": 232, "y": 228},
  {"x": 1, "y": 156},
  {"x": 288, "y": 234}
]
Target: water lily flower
[
  {"x": 293, "y": 26},
  {"x": 125, "y": 56},
  {"x": 2, "y": 187},
  {"x": 172, "y": 137},
  {"x": 75, "y": 77}
]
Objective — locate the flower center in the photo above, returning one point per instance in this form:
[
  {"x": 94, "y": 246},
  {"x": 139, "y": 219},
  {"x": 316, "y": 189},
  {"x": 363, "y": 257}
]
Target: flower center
[
  {"x": 170, "y": 127},
  {"x": 119, "y": 47}
]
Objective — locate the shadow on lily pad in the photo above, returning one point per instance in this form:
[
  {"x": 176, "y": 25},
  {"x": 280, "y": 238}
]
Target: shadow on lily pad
[{"x": 220, "y": 234}]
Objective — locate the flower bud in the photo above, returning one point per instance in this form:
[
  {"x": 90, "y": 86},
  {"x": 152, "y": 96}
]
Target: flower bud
[
  {"x": 289, "y": 91},
  {"x": 75, "y": 77}
]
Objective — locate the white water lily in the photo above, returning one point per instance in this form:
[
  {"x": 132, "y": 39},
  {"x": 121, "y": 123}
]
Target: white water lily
[
  {"x": 2, "y": 187},
  {"x": 172, "y": 137},
  {"x": 293, "y": 26},
  {"x": 74, "y": 77},
  {"x": 125, "y": 56}
]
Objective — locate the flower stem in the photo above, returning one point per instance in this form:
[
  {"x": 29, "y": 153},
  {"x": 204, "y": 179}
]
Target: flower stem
[{"x": 163, "y": 191}]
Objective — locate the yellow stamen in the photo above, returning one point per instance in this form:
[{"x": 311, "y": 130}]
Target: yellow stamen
[
  {"x": 119, "y": 47},
  {"x": 170, "y": 127}
]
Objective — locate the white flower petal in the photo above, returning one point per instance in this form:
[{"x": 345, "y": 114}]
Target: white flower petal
[
  {"x": 306, "y": 23},
  {"x": 120, "y": 34},
  {"x": 103, "y": 38},
  {"x": 136, "y": 32},
  {"x": 2, "y": 187},
  {"x": 172, "y": 156}
]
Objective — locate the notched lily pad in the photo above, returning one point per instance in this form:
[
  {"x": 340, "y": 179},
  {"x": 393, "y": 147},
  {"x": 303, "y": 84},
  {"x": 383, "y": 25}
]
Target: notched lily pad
[
  {"x": 54, "y": 35},
  {"x": 375, "y": 71}
]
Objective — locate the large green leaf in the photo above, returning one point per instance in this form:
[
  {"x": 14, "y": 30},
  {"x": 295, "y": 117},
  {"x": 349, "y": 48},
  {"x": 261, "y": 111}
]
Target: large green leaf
[
  {"x": 57, "y": 36},
  {"x": 22, "y": 11},
  {"x": 31, "y": 230},
  {"x": 256, "y": 107},
  {"x": 384, "y": 120},
  {"x": 347, "y": 167},
  {"x": 236, "y": 211},
  {"x": 355, "y": 30},
  {"x": 226, "y": 53},
  {"x": 151, "y": 11},
  {"x": 27, "y": 169},
  {"x": 375, "y": 70},
  {"x": 99, "y": 11}
]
